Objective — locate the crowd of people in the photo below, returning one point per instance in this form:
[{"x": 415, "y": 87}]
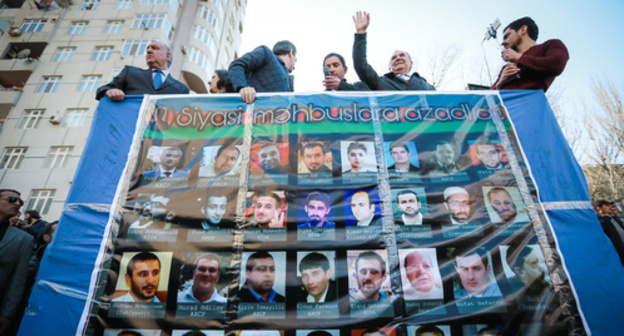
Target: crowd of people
[{"x": 530, "y": 66}]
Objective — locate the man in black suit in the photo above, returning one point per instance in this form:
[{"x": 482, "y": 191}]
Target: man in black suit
[
  {"x": 316, "y": 280},
  {"x": 155, "y": 80}
]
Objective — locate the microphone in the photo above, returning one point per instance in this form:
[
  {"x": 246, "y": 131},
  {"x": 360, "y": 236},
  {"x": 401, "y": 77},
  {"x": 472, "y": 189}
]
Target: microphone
[{"x": 326, "y": 71}]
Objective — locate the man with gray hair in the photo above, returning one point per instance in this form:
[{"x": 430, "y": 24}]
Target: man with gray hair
[
  {"x": 155, "y": 80},
  {"x": 263, "y": 70},
  {"x": 400, "y": 64}
]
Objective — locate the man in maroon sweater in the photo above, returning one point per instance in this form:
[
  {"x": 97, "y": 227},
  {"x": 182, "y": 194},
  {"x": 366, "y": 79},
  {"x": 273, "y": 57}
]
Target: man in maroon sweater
[{"x": 530, "y": 66}]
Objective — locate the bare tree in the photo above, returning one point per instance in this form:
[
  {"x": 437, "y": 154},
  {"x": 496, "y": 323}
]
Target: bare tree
[
  {"x": 606, "y": 132},
  {"x": 569, "y": 126},
  {"x": 440, "y": 65}
]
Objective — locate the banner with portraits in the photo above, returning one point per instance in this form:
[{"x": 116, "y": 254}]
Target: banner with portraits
[{"x": 328, "y": 214}]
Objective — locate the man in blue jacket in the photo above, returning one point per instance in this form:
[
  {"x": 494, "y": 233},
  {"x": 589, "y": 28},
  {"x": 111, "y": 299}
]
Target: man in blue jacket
[
  {"x": 263, "y": 70},
  {"x": 400, "y": 64}
]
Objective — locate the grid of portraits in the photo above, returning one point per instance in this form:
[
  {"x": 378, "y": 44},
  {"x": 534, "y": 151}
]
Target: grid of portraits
[{"x": 327, "y": 235}]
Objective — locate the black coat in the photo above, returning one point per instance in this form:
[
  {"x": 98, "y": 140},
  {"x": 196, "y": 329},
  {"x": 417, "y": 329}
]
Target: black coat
[
  {"x": 332, "y": 293},
  {"x": 245, "y": 295},
  {"x": 134, "y": 81}
]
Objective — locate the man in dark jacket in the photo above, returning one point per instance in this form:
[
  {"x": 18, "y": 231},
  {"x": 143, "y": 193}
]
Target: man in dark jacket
[
  {"x": 263, "y": 70},
  {"x": 34, "y": 224},
  {"x": 611, "y": 224},
  {"x": 400, "y": 64},
  {"x": 155, "y": 80},
  {"x": 337, "y": 70}
]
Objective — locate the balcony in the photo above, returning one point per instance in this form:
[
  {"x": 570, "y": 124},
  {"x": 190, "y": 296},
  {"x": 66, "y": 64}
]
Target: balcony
[{"x": 18, "y": 63}]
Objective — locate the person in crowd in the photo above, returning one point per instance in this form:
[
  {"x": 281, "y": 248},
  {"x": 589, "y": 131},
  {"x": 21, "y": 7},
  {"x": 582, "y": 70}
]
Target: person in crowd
[
  {"x": 155, "y": 80},
  {"x": 33, "y": 223},
  {"x": 336, "y": 81},
  {"x": 205, "y": 279},
  {"x": 316, "y": 280},
  {"x": 142, "y": 278},
  {"x": 409, "y": 204},
  {"x": 15, "y": 251},
  {"x": 220, "y": 82},
  {"x": 263, "y": 70},
  {"x": 530, "y": 66},
  {"x": 318, "y": 206},
  {"x": 363, "y": 209},
  {"x": 611, "y": 224},
  {"x": 260, "y": 277},
  {"x": 400, "y": 64},
  {"x": 474, "y": 270},
  {"x": 370, "y": 273}
]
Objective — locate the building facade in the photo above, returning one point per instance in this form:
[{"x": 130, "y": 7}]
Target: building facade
[{"x": 54, "y": 55}]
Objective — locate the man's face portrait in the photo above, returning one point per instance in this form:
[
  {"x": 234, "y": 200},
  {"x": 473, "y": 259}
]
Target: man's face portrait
[
  {"x": 269, "y": 157},
  {"x": 206, "y": 275},
  {"x": 316, "y": 210},
  {"x": 156, "y": 208},
  {"x": 262, "y": 275},
  {"x": 503, "y": 205},
  {"x": 369, "y": 276},
  {"x": 419, "y": 272},
  {"x": 445, "y": 154},
  {"x": 336, "y": 68},
  {"x": 356, "y": 158},
  {"x": 226, "y": 161},
  {"x": 531, "y": 270},
  {"x": 361, "y": 207},
  {"x": 511, "y": 39},
  {"x": 314, "y": 158},
  {"x": 408, "y": 204},
  {"x": 265, "y": 209},
  {"x": 489, "y": 155},
  {"x": 315, "y": 280},
  {"x": 458, "y": 206},
  {"x": 144, "y": 280},
  {"x": 8, "y": 210},
  {"x": 399, "y": 155},
  {"x": 474, "y": 275},
  {"x": 216, "y": 208},
  {"x": 170, "y": 158}
]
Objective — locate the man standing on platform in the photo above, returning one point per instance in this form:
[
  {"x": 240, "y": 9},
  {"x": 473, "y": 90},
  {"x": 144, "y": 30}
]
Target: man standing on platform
[
  {"x": 530, "y": 66},
  {"x": 155, "y": 80}
]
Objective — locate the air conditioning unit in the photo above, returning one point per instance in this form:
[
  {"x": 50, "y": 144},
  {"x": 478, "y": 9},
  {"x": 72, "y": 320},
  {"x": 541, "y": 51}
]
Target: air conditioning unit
[
  {"x": 15, "y": 32},
  {"x": 54, "y": 120}
]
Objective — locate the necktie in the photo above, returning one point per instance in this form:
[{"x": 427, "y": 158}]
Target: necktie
[
  {"x": 157, "y": 79},
  {"x": 168, "y": 174}
]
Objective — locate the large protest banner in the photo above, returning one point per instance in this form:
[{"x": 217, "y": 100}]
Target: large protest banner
[{"x": 436, "y": 210}]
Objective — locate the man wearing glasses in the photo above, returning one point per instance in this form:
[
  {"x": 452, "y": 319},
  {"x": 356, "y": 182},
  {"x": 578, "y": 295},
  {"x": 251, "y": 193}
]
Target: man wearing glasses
[
  {"x": 15, "y": 251},
  {"x": 457, "y": 203}
]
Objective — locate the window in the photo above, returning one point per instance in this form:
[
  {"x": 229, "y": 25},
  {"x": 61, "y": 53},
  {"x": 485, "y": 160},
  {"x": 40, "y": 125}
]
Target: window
[
  {"x": 78, "y": 28},
  {"x": 90, "y": 5},
  {"x": 57, "y": 156},
  {"x": 210, "y": 16},
  {"x": 40, "y": 200},
  {"x": 30, "y": 119},
  {"x": 134, "y": 47},
  {"x": 89, "y": 83},
  {"x": 124, "y": 4},
  {"x": 30, "y": 26},
  {"x": 219, "y": 4},
  {"x": 102, "y": 53},
  {"x": 12, "y": 157},
  {"x": 113, "y": 27},
  {"x": 196, "y": 56},
  {"x": 75, "y": 117},
  {"x": 64, "y": 54},
  {"x": 49, "y": 84},
  {"x": 174, "y": 4},
  {"x": 205, "y": 36},
  {"x": 145, "y": 21}
]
